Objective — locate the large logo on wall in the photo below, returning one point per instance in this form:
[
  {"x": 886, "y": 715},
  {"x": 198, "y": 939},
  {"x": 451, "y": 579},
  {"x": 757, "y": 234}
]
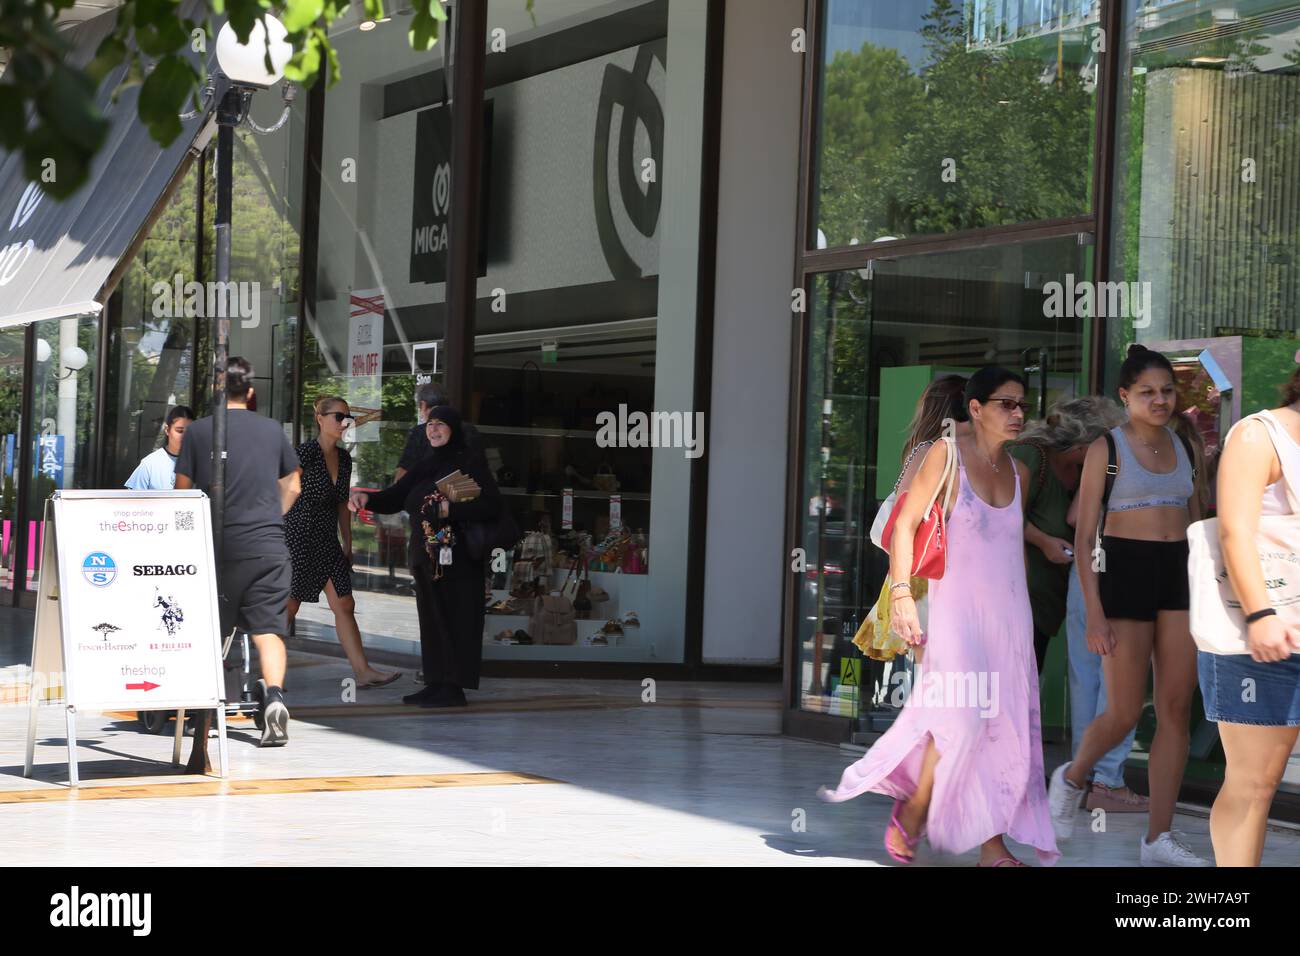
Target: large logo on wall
[
  {"x": 640, "y": 105},
  {"x": 431, "y": 200}
]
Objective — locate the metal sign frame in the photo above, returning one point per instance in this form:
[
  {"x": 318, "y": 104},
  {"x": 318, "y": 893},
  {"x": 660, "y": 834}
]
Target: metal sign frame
[{"x": 52, "y": 622}]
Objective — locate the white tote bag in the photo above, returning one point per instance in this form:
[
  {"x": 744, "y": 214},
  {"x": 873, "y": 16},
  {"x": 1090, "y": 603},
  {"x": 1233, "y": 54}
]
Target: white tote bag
[
  {"x": 1217, "y": 622},
  {"x": 887, "y": 506}
]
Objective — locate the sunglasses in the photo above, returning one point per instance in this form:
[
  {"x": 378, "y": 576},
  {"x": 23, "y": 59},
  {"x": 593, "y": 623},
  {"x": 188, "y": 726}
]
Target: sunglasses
[
  {"x": 1009, "y": 405},
  {"x": 339, "y": 417}
]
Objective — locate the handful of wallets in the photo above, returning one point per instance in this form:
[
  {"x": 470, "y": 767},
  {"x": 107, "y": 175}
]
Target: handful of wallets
[{"x": 459, "y": 487}]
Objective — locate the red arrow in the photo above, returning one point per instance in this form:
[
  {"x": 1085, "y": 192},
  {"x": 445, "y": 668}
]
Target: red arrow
[{"x": 147, "y": 685}]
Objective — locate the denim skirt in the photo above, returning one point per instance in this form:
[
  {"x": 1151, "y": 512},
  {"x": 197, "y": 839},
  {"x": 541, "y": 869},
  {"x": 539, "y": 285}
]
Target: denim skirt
[{"x": 1239, "y": 690}]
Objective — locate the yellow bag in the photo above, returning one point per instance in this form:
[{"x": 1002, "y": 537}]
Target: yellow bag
[{"x": 874, "y": 637}]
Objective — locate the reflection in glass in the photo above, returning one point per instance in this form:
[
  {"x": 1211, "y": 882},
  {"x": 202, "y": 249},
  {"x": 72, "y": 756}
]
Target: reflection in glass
[
  {"x": 1207, "y": 212},
  {"x": 937, "y": 116},
  {"x": 877, "y": 340}
]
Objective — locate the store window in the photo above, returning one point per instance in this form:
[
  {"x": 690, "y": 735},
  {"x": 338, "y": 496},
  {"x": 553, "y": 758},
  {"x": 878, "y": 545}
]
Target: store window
[
  {"x": 937, "y": 115},
  {"x": 580, "y": 174},
  {"x": 152, "y": 350},
  {"x": 11, "y": 399},
  {"x": 1207, "y": 213},
  {"x": 63, "y": 420},
  {"x": 586, "y": 317},
  {"x": 878, "y": 338},
  {"x": 376, "y": 327}
]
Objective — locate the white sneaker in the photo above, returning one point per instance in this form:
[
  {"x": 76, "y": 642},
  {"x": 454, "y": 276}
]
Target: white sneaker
[
  {"x": 1063, "y": 800},
  {"x": 1170, "y": 849}
]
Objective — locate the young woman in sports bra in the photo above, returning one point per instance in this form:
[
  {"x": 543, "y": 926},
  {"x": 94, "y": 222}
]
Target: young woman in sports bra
[{"x": 1135, "y": 590}]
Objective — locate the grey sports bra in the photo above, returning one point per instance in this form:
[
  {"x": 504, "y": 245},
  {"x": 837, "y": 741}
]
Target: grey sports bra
[{"x": 1135, "y": 487}]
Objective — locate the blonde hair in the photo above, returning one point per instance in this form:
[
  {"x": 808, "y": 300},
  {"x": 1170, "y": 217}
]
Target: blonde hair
[
  {"x": 1080, "y": 421},
  {"x": 325, "y": 401}
]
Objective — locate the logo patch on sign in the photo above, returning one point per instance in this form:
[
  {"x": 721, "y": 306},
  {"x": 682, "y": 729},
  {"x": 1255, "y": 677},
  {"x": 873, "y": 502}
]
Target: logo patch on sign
[
  {"x": 99, "y": 569},
  {"x": 172, "y": 615}
]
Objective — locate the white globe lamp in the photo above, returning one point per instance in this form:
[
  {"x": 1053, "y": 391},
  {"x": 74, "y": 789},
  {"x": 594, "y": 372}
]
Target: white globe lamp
[{"x": 245, "y": 63}]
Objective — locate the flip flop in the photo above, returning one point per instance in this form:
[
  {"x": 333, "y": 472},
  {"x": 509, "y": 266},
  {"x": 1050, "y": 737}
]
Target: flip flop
[
  {"x": 909, "y": 841},
  {"x": 1003, "y": 861},
  {"x": 371, "y": 685}
]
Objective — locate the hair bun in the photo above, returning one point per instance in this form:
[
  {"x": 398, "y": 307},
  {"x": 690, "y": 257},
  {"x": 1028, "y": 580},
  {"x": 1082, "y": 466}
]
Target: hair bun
[{"x": 1137, "y": 348}]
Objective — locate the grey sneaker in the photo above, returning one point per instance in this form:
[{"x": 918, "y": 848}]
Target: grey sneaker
[
  {"x": 1116, "y": 799},
  {"x": 275, "y": 719},
  {"x": 1063, "y": 800},
  {"x": 1170, "y": 849}
]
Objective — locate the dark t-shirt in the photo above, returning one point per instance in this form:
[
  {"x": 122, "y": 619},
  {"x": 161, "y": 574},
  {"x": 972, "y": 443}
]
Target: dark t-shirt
[
  {"x": 257, "y": 456},
  {"x": 1048, "y": 505},
  {"x": 417, "y": 447}
]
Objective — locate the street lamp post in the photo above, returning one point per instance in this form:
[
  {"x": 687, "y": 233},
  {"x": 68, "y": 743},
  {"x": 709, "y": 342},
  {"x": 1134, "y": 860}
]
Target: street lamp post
[{"x": 243, "y": 72}]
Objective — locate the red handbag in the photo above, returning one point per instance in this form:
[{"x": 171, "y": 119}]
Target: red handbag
[{"x": 930, "y": 546}]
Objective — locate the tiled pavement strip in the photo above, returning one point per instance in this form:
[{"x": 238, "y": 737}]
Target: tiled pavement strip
[{"x": 700, "y": 776}]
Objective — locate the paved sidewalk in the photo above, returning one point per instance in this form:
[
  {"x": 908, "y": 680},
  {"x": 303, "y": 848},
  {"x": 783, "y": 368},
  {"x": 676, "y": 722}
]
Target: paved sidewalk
[{"x": 699, "y": 776}]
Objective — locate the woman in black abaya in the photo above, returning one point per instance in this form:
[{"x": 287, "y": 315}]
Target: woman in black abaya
[{"x": 448, "y": 596}]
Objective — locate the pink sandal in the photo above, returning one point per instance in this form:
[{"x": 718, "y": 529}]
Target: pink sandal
[{"x": 909, "y": 841}]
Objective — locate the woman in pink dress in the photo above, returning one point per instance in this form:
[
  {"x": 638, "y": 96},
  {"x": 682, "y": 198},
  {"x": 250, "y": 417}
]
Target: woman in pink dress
[{"x": 964, "y": 759}]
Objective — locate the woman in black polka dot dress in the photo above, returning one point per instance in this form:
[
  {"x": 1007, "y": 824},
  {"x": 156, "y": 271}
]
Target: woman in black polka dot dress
[{"x": 312, "y": 528}]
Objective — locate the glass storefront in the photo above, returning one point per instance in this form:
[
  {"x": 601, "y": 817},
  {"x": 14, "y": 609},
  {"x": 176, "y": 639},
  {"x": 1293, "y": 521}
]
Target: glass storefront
[
  {"x": 1200, "y": 254},
  {"x": 935, "y": 116},
  {"x": 11, "y": 398},
  {"x": 63, "y": 420},
  {"x": 571, "y": 313},
  {"x": 1207, "y": 213},
  {"x": 878, "y": 338}
]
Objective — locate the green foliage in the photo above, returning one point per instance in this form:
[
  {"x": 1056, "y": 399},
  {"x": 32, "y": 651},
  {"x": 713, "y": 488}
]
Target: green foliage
[
  {"x": 1020, "y": 145},
  {"x": 151, "y": 45}
]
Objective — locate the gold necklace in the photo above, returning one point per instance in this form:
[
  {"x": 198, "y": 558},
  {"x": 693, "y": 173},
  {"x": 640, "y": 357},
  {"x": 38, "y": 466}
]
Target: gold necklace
[{"x": 1154, "y": 449}]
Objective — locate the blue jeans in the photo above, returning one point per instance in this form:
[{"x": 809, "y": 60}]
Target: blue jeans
[{"x": 1088, "y": 688}]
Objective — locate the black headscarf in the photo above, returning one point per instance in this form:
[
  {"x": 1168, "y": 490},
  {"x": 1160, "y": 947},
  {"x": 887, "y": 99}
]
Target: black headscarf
[{"x": 447, "y": 457}]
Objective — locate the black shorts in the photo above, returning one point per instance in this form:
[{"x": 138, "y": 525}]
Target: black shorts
[
  {"x": 1139, "y": 579},
  {"x": 254, "y": 594}
]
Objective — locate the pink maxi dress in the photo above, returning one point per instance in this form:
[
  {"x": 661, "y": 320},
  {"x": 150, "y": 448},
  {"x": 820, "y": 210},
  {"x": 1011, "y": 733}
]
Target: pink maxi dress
[{"x": 976, "y": 694}]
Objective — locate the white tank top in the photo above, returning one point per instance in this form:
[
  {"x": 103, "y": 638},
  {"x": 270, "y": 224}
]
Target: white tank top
[{"x": 1288, "y": 452}]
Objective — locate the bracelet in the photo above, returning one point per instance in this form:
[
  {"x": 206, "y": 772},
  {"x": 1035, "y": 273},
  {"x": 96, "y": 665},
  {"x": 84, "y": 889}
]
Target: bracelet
[
  {"x": 1259, "y": 615},
  {"x": 901, "y": 584}
]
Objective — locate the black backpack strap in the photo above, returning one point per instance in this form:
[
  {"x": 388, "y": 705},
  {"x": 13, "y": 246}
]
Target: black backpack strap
[
  {"x": 1112, "y": 469},
  {"x": 1187, "y": 447}
]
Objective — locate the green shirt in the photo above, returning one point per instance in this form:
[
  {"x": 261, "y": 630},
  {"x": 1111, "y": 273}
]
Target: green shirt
[{"x": 1048, "y": 506}]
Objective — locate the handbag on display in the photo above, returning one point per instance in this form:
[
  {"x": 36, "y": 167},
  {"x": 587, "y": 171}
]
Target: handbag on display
[
  {"x": 930, "y": 544},
  {"x": 1218, "y": 624},
  {"x": 605, "y": 479},
  {"x": 538, "y": 549},
  {"x": 553, "y": 621}
]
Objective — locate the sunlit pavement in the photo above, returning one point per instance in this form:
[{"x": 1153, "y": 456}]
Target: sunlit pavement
[{"x": 532, "y": 772}]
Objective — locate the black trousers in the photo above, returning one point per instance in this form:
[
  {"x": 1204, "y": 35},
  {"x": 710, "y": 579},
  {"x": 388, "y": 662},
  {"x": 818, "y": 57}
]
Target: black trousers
[
  {"x": 451, "y": 622},
  {"x": 1040, "y": 647}
]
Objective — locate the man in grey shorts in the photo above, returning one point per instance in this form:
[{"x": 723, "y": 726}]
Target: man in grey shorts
[{"x": 262, "y": 483}]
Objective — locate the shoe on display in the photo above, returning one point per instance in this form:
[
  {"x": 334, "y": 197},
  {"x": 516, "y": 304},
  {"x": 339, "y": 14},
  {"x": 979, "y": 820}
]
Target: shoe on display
[
  {"x": 1063, "y": 802},
  {"x": 1115, "y": 799},
  {"x": 1170, "y": 849},
  {"x": 631, "y": 620},
  {"x": 275, "y": 718}
]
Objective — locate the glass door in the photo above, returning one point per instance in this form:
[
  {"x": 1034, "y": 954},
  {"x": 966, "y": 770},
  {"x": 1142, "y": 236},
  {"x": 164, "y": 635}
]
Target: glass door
[
  {"x": 879, "y": 337},
  {"x": 11, "y": 400}
]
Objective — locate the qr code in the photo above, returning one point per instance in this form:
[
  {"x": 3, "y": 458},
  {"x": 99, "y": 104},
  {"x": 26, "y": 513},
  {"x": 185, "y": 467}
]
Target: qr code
[{"x": 185, "y": 521}]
